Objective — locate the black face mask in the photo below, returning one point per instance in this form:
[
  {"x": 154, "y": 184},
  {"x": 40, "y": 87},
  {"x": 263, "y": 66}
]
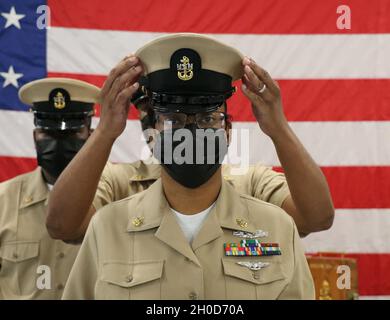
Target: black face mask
[
  {"x": 55, "y": 154},
  {"x": 205, "y": 154}
]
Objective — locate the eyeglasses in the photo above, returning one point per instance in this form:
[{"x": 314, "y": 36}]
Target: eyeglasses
[{"x": 178, "y": 120}]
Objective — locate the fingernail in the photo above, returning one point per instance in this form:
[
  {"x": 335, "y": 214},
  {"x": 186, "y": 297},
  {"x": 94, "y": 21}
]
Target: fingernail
[
  {"x": 136, "y": 85},
  {"x": 132, "y": 59},
  {"x": 244, "y": 87},
  {"x": 138, "y": 69},
  {"x": 246, "y": 61}
]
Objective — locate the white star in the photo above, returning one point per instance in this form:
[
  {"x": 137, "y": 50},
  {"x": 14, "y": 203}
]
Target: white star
[
  {"x": 11, "y": 77},
  {"x": 12, "y": 18}
]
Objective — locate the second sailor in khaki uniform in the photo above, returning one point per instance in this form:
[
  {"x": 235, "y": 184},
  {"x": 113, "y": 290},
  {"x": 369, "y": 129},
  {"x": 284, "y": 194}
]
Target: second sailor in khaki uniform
[
  {"x": 32, "y": 264},
  {"x": 121, "y": 180}
]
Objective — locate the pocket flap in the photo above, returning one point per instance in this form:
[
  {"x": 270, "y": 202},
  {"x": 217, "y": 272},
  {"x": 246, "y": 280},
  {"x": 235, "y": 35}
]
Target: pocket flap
[
  {"x": 131, "y": 274},
  {"x": 18, "y": 251},
  {"x": 271, "y": 273}
]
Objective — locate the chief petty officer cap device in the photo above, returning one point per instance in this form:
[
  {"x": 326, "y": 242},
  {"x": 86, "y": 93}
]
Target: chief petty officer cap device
[
  {"x": 60, "y": 103},
  {"x": 188, "y": 72}
]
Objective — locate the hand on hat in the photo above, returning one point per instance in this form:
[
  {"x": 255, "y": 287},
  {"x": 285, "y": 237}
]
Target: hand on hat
[
  {"x": 115, "y": 96},
  {"x": 264, "y": 94}
]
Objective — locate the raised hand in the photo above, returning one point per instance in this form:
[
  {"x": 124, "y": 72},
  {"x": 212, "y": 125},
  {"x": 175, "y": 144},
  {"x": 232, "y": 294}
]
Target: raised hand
[{"x": 115, "y": 96}]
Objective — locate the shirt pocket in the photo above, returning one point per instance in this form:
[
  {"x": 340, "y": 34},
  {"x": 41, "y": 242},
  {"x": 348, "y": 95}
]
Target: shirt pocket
[
  {"x": 133, "y": 280},
  {"x": 243, "y": 283},
  {"x": 18, "y": 271}
]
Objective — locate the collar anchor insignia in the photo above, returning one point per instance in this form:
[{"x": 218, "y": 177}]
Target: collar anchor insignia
[
  {"x": 138, "y": 221},
  {"x": 242, "y": 223}
]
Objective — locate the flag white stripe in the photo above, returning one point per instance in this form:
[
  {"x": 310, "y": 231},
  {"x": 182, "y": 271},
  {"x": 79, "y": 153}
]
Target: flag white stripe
[
  {"x": 330, "y": 143},
  {"x": 353, "y": 230},
  {"x": 320, "y": 56}
]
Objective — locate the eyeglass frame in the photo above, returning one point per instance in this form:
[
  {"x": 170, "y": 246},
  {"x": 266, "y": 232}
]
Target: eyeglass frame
[{"x": 227, "y": 118}]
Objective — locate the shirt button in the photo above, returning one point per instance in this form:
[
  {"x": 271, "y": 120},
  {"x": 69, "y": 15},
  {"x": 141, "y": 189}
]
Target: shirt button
[
  {"x": 15, "y": 255},
  {"x": 61, "y": 255},
  {"x": 187, "y": 259},
  {"x": 256, "y": 276},
  {"x": 129, "y": 278},
  {"x": 193, "y": 296},
  {"x": 60, "y": 286}
]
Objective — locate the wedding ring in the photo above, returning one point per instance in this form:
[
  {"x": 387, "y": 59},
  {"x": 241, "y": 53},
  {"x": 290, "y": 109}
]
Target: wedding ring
[{"x": 262, "y": 89}]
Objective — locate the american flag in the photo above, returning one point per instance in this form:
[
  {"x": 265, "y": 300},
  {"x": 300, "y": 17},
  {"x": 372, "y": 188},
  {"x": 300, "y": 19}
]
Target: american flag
[{"x": 335, "y": 86}]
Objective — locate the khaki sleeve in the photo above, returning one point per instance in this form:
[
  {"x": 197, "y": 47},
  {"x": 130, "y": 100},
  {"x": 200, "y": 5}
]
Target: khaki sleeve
[
  {"x": 105, "y": 191},
  {"x": 301, "y": 286},
  {"x": 83, "y": 276},
  {"x": 268, "y": 185}
]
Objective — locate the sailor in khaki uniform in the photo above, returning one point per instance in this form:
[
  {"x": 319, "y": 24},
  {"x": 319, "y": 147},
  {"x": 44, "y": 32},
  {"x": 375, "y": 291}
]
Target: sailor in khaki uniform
[
  {"x": 33, "y": 265},
  {"x": 190, "y": 235}
]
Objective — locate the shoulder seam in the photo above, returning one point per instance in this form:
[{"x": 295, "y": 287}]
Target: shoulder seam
[{"x": 253, "y": 199}]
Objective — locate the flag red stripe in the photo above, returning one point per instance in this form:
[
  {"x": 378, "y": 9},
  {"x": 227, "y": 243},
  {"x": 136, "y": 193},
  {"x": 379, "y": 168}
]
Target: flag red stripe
[
  {"x": 308, "y": 100},
  {"x": 351, "y": 187},
  {"x": 358, "y": 187},
  {"x": 13, "y": 166},
  {"x": 243, "y": 17},
  {"x": 373, "y": 272}
]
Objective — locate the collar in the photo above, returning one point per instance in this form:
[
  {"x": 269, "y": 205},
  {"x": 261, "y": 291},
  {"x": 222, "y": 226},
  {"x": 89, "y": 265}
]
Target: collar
[
  {"x": 152, "y": 211},
  {"x": 33, "y": 189}
]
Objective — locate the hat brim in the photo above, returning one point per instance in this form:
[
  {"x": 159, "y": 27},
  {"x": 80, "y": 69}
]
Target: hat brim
[
  {"x": 38, "y": 90},
  {"x": 60, "y": 124}
]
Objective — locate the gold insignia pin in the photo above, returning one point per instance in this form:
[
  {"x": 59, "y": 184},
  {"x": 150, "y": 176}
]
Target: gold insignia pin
[
  {"x": 59, "y": 101},
  {"x": 242, "y": 223},
  {"x": 138, "y": 221},
  {"x": 185, "y": 69},
  {"x": 28, "y": 199}
]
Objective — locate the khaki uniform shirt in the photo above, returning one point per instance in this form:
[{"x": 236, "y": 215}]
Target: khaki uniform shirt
[
  {"x": 26, "y": 250},
  {"x": 135, "y": 249},
  {"x": 119, "y": 181}
]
